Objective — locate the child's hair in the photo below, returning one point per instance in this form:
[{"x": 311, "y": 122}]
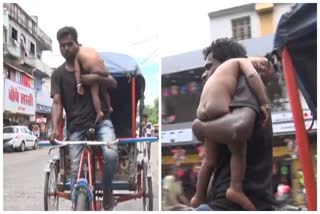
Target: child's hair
[{"x": 275, "y": 60}]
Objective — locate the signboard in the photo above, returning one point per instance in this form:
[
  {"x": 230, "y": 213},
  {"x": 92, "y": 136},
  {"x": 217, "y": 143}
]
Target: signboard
[
  {"x": 44, "y": 109},
  {"x": 18, "y": 98},
  {"x": 283, "y": 122},
  {"x": 287, "y": 116},
  {"x": 289, "y": 127},
  {"x": 43, "y": 97},
  {"x": 176, "y": 136},
  {"x": 41, "y": 120}
]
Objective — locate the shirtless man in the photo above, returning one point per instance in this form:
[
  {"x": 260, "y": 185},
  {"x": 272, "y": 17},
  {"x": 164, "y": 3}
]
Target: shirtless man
[
  {"x": 221, "y": 86},
  {"x": 90, "y": 61}
]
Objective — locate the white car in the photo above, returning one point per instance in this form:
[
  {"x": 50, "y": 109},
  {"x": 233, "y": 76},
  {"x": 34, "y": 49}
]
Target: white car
[{"x": 19, "y": 138}]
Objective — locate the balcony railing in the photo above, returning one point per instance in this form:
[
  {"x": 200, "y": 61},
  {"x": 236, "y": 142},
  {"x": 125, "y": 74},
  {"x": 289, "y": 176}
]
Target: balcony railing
[
  {"x": 31, "y": 61},
  {"x": 43, "y": 38},
  {"x": 12, "y": 50},
  {"x": 41, "y": 66}
]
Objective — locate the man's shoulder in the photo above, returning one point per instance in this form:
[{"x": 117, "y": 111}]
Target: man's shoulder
[
  {"x": 58, "y": 70},
  {"x": 244, "y": 97}
]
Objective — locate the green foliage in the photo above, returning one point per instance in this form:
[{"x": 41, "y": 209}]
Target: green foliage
[{"x": 152, "y": 111}]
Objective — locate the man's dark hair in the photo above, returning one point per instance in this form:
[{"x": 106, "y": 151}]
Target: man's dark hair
[
  {"x": 224, "y": 49},
  {"x": 65, "y": 31}
]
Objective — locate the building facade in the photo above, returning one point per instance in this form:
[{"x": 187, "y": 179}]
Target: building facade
[
  {"x": 247, "y": 21},
  {"x": 24, "y": 71}
]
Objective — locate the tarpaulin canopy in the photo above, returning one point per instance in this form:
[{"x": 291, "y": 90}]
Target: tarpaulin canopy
[
  {"x": 297, "y": 30},
  {"x": 122, "y": 67}
]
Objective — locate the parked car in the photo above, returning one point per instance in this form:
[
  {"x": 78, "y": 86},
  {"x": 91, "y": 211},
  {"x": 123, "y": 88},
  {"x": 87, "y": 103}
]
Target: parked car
[{"x": 19, "y": 138}]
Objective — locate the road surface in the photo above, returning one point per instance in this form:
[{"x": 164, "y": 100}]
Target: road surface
[{"x": 23, "y": 182}]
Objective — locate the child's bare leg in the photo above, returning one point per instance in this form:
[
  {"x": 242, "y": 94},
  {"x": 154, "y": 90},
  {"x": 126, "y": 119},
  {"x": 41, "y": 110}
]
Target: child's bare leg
[
  {"x": 238, "y": 165},
  {"x": 96, "y": 102},
  {"x": 205, "y": 173},
  {"x": 108, "y": 102}
]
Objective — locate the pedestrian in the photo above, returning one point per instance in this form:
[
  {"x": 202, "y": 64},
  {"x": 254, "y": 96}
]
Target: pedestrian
[{"x": 173, "y": 195}]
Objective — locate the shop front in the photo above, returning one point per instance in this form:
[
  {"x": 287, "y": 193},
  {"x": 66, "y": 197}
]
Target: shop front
[
  {"x": 43, "y": 113},
  {"x": 19, "y": 104},
  {"x": 286, "y": 162}
]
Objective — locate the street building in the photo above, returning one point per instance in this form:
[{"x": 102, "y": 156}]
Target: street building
[{"x": 26, "y": 98}]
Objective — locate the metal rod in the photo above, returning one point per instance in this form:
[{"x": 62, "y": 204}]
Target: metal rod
[
  {"x": 126, "y": 197},
  {"x": 80, "y": 166},
  {"x": 133, "y": 107},
  {"x": 90, "y": 178}
]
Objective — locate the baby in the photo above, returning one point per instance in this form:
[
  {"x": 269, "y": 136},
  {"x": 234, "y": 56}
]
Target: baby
[
  {"x": 90, "y": 61},
  {"x": 214, "y": 102}
]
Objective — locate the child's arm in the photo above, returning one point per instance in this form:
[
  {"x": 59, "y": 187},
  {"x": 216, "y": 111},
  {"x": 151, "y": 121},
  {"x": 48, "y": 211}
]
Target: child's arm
[
  {"x": 254, "y": 80},
  {"x": 77, "y": 71},
  {"x": 256, "y": 84}
]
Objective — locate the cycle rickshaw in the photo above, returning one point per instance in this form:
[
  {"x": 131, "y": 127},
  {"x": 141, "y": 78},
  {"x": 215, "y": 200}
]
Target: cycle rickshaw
[
  {"x": 295, "y": 45},
  {"x": 133, "y": 174}
]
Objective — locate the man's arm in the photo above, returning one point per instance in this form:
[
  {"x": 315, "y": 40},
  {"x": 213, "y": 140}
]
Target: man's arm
[
  {"x": 77, "y": 71},
  {"x": 56, "y": 116},
  {"x": 108, "y": 82},
  {"x": 233, "y": 127}
]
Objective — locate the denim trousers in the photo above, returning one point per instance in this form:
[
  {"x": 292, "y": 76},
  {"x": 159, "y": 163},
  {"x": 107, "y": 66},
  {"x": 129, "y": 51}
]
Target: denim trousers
[
  {"x": 104, "y": 132},
  {"x": 203, "y": 207}
]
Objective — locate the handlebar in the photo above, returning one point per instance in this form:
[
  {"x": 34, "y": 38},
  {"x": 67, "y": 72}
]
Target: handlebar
[
  {"x": 120, "y": 140},
  {"x": 89, "y": 143}
]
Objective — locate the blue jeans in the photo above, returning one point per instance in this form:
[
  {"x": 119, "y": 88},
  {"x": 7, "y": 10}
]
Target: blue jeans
[
  {"x": 104, "y": 132},
  {"x": 203, "y": 207}
]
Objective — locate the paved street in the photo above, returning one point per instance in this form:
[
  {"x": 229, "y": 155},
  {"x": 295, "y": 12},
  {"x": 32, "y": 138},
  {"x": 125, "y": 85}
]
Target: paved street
[{"x": 23, "y": 180}]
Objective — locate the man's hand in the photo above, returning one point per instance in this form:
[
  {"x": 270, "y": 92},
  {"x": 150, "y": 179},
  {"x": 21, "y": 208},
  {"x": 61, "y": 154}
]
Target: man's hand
[
  {"x": 89, "y": 79},
  {"x": 80, "y": 90},
  {"x": 53, "y": 135}
]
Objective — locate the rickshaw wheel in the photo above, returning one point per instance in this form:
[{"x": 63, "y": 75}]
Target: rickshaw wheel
[
  {"x": 147, "y": 189},
  {"x": 82, "y": 201},
  {"x": 51, "y": 202}
]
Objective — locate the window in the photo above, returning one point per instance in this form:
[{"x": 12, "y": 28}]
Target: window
[
  {"x": 22, "y": 130},
  {"x": 14, "y": 34},
  {"x": 18, "y": 77},
  {"x": 12, "y": 75},
  {"x": 241, "y": 28},
  {"x": 5, "y": 36},
  {"x": 9, "y": 130},
  {"x": 32, "y": 49},
  {"x": 26, "y": 130}
]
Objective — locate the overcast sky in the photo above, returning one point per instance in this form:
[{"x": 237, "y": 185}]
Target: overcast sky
[{"x": 144, "y": 29}]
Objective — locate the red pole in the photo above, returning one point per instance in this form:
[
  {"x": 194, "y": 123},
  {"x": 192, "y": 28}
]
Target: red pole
[
  {"x": 301, "y": 134},
  {"x": 133, "y": 106}
]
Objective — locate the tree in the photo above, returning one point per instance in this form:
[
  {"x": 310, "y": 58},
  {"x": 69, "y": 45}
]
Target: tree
[{"x": 152, "y": 111}]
